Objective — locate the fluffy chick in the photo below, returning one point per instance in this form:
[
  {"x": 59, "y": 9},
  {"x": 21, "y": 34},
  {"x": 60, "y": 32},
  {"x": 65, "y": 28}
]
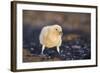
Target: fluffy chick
[{"x": 51, "y": 36}]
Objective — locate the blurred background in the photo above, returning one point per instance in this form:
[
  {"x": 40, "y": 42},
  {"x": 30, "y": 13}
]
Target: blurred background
[{"x": 76, "y": 38}]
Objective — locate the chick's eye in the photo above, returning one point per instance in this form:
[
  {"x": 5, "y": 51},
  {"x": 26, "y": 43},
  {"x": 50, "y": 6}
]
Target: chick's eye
[{"x": 56, "y": 29}]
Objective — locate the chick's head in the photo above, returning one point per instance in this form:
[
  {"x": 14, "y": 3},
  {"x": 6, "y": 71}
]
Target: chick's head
[{"x": 56, "y": 30}]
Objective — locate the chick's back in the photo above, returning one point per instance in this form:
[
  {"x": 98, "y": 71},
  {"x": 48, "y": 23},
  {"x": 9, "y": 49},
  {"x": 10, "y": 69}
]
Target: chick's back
[{"x": 43, "y": 35}]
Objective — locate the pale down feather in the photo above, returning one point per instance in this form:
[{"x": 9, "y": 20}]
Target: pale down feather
[{"x": 51, "y": 36}]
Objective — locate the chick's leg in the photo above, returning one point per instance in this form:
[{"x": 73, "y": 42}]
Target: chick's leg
[
  {"x": 43, "y": 47},
  {"x": 58, "y": 49}
]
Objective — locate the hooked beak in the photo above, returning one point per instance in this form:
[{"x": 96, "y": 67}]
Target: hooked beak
[{"x": 61, "y": 33}]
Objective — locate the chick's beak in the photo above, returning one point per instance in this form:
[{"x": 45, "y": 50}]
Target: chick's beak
[{"x": 61, "y": 33}]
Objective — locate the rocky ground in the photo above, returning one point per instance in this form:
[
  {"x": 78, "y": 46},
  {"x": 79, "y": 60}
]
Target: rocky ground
[
  {"x": 28, "y": 57},
  {"x": 78, "y": 49}
]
